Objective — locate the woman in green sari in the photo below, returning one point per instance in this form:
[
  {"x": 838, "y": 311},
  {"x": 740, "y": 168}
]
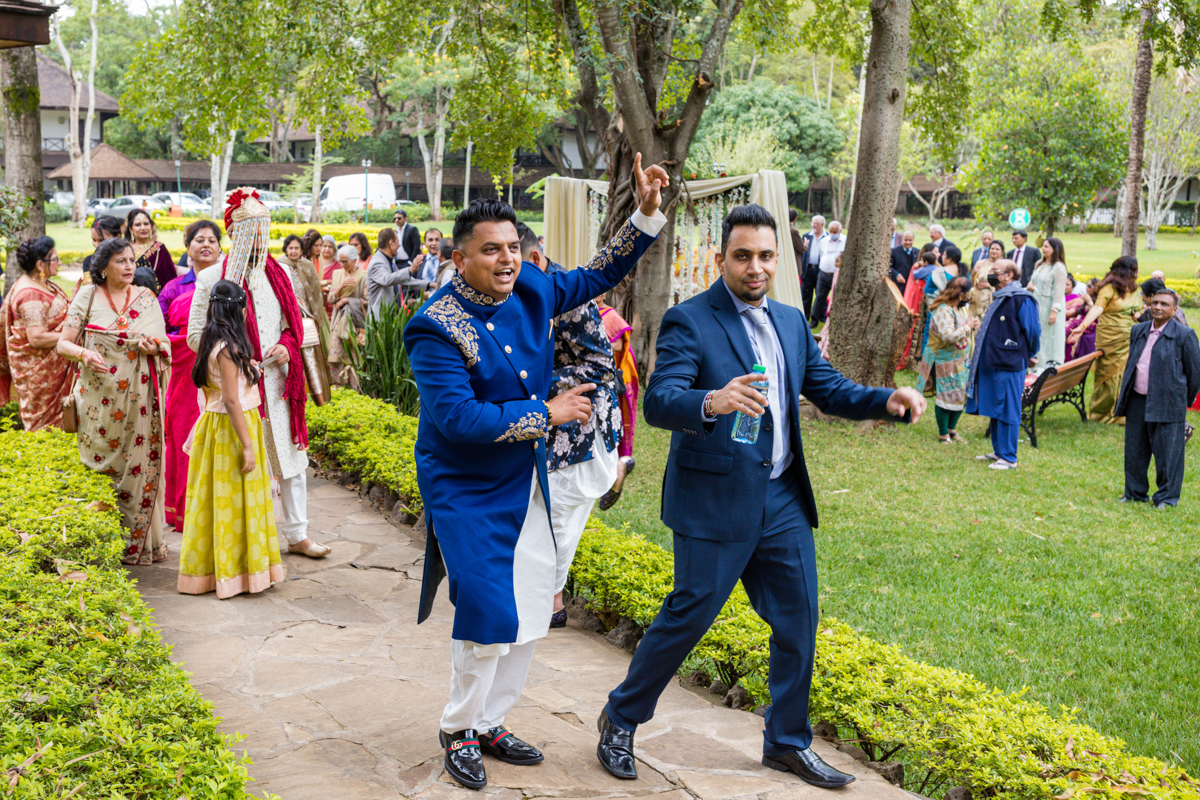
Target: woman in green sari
[{"x": 1117, "y": 303}]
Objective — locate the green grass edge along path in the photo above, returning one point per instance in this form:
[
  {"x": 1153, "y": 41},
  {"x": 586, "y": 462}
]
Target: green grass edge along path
[
  {"x": 1033, "y": 578},
  {"x": 92, "y": 705}
]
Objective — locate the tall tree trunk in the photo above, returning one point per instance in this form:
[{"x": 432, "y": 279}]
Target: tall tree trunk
[
  {"x": 1195, "y": 216},
  {"x": 21, "y": 98},
  {"x": 1143, "y": 67},
  {"x": 864, "y": 329},
  {"x": 314, "y": 214},
  {"x": 467, "y": 176},
  {"x": 79, "y": 148}
]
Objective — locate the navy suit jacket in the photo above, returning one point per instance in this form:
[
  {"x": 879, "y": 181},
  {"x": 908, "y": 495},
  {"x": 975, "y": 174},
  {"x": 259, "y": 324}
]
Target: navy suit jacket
[{"x": 716, "y": 488}]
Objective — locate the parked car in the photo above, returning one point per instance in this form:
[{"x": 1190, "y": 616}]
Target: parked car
[
  {"x": 96, "y": 203},
  {"x": 346, "y": 192},
  {"x": 273, "y": 200},
  {"x": 123, "y": 205},
  {"x": 187, "y": 201}
]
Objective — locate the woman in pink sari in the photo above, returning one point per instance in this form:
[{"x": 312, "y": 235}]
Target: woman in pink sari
[
  {"x": 619, "y": 335},
  {"x": 31, "y": 321},
  {"x": 203, "y": 242}
]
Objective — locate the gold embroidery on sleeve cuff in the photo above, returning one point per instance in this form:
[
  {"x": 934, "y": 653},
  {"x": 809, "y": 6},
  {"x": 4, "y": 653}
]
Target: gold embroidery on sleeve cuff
[
  {"x": 531, "y": 426},
  {"x": 620, "y": 245}
]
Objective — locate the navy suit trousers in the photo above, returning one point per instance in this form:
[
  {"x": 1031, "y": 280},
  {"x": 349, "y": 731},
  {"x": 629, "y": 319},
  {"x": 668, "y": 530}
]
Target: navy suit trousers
[{"x": 779, "y": 572}]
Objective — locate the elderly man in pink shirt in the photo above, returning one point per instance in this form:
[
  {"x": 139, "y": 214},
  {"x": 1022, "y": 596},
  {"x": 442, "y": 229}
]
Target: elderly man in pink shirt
[{"x": 1162, "y": 377}]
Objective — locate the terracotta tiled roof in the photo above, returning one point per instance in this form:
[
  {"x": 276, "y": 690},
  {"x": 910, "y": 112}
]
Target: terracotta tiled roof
[
  {"x": 109, "y": 164},
  {"x": 55, "y": 84}
]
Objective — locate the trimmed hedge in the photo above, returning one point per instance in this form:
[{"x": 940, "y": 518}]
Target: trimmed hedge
[
  {"x": 949, "y": 728},
  {"x": 92, "y": 705},
  {"x": 369, "y": 439}
]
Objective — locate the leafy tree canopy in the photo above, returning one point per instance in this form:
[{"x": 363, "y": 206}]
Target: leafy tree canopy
[
  {"x": 808, "y": 137},
  {"x": 1049, "y": 143}
]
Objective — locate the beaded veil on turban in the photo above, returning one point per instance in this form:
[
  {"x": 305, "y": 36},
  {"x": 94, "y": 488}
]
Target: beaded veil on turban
[{"x": 248, "y": 223}]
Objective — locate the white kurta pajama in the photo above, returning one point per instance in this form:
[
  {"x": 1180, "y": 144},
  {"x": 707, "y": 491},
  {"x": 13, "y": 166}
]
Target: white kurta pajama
[{"x": 288, "y": 462}]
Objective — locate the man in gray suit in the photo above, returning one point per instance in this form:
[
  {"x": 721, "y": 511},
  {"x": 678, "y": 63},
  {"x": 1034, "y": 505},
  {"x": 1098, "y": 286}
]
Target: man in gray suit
[
  {"x": 382, "y": 280},
  {"x": 1162, "y": 376}
]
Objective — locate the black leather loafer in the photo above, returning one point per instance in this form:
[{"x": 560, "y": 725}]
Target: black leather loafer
[
  {"x": 464, "y": 761},
  {"x": 500, "y": 744},
  {"x": 809, "y": 767},
  {"x": 615, "y": 750}
]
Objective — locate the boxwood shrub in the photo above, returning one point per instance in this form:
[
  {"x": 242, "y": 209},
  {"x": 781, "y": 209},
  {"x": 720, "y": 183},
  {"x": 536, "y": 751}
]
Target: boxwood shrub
[
  {"x": 949, "y": 728},
  {"x": 368, "y": 439},
  {"x": 91, "y": 704}
]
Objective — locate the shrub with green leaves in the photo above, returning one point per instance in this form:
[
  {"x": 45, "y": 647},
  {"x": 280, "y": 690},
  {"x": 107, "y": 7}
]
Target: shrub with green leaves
[
  {"x": 948, "y": 728},
  {"x": 382, "y": 365},
  {"x": 92, "y": 705},
  {"x": 368, "y": 439}
]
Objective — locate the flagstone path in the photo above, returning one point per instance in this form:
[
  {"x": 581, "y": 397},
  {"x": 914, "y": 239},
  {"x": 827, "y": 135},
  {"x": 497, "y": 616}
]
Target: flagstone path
[{"x": 337, "y": 691}]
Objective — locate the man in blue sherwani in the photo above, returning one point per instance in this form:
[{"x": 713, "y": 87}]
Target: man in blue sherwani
[
  {"x": 740, "y": 511},
  {"x": 482, "y": 352}
]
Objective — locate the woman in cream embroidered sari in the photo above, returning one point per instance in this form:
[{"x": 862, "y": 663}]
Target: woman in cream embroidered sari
[
  {"x": 125, "y": 367},
  {"x": 346, "y": 296}
]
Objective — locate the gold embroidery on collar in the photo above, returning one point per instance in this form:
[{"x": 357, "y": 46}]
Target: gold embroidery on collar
[
  {"x": 620, "y": 245},
  {"x": 450, "y": 315},
  {"x": 472, "y": 295},
  {"x": 531, "y": 426}
]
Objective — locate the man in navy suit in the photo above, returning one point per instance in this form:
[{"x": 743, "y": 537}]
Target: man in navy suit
[
  {"x": 1026, "y": 256},
  {"x": 903, "y": 258},
  {"x": 740, "y": 511}
]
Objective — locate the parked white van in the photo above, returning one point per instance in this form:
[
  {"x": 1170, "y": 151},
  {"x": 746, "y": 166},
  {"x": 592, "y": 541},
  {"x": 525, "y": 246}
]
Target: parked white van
[{"x": 346, "y": 192}]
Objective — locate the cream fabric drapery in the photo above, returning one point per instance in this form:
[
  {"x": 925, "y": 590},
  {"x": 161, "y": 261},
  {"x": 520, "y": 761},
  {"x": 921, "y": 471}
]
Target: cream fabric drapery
[{"x": 567, "y": 221}]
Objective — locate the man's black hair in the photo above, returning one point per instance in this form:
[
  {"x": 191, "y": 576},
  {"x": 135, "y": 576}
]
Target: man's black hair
[
  {"x": 954, "y": 254},
  {"x": 485, "y": 209},
  {"x": 752, "y": 215},
  {"x": 1165, "y": 290},
  {"x": 1152, "y": 286},
  {"x": 793, "y": 215},
  {"x": 446, "y": 249},
  {"x": 1022, "y": 232},
  {"x": 529, "y": 240}
]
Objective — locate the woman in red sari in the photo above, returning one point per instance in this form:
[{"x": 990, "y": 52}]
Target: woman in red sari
[
  {"x": 31, "y": 322},
  {"x": 203, "y": 242},
  {"x": 149, "y": 251}
]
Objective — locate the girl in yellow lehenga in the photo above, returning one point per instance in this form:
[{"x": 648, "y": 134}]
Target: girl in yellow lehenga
[
  {"x": 1117, "y": 300},
  {"x": 229, "y": 539}
]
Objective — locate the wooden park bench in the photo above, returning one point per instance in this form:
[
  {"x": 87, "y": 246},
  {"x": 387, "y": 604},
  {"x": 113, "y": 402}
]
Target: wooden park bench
[{"x": 1062, "y": 384}]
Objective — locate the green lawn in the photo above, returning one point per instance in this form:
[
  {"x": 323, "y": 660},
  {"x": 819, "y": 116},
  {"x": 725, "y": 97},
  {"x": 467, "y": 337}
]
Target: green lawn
[{"x": 1032, "y": 578}]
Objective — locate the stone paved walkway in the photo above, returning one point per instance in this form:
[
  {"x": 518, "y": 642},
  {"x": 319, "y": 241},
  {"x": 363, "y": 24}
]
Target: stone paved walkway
[{"x": 338, "y": 692}]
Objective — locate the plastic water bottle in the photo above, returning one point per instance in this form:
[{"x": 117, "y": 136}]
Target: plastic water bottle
[{"x": 745, "y": 426}]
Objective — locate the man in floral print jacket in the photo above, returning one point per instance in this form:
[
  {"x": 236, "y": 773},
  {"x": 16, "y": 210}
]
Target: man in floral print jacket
[{"x": 581, "y": 457}]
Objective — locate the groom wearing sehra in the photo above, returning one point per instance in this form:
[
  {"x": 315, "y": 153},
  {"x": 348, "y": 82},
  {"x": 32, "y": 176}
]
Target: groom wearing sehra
[{"x": 740, "y": 511}]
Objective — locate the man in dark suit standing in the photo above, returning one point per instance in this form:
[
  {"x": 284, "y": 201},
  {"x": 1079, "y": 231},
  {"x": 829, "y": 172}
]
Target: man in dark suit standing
[
  {"x": 810, "y": 270},
  {"x": 982, "y": 251},
  {"x": 409, "y": 239},
  {"x": 1162, "y": 376},
  {"x": 903, "y": 258},
  {"x": 740, "y": 511},
  {"x": 1025, "y": 255}
]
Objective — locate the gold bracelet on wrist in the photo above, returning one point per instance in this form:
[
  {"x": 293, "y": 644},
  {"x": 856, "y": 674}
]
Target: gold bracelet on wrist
[{"x": 549, "y": 414}]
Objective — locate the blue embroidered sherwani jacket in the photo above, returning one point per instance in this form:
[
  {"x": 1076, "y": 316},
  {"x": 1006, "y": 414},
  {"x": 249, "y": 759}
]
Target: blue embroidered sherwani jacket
[{"x": 483, "y": 369}]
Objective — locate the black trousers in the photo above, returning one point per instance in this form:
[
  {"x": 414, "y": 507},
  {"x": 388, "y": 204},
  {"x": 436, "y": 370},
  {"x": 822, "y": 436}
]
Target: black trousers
[
  {"x": 820, "y": 311},
  {"x": 778, "y": 568},
  {"x": 808, "y": 285},
  {"x": 1164, "y": 441}
]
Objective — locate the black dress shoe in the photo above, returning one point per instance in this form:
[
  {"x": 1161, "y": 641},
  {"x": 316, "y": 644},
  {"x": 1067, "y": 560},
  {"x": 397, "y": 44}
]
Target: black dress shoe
[
  {"x": 500, "y": 744},
  {"x": 809, "y": 767},
  {"x": 464, "y": 761},
  {"x": 559, "y": 619},
  {"x": 615, "y": 750}
]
